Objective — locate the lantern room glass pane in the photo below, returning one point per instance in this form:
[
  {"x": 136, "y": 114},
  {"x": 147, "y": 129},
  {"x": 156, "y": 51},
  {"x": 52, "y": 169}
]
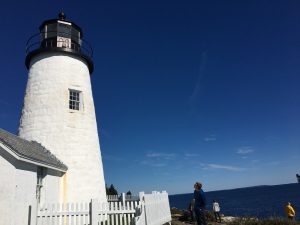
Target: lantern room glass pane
[
  {"x": 51, "y": 30},
  {"x": 76, "y": 36},
  {"x": 64, "y": 30}
]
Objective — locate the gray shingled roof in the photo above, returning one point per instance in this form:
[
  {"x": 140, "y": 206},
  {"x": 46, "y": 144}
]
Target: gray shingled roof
[{"x": 30, "y": 150}]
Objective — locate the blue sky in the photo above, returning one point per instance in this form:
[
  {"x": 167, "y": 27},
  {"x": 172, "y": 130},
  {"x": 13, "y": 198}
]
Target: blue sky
[{"x": 183, "y": 90}]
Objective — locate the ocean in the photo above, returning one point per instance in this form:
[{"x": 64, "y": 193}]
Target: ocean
[{"x": 260, "y": 201}]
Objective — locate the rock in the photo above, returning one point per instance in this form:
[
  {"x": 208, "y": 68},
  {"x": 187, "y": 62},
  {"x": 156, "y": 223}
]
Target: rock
[{"x": 228, "y": 218}]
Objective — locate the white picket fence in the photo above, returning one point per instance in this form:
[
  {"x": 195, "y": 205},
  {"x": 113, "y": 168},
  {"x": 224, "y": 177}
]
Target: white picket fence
[
  {"x": 123, "y": 197},
  {"x": 64, "y": 214},
  {"x": 150, "y": 209}
]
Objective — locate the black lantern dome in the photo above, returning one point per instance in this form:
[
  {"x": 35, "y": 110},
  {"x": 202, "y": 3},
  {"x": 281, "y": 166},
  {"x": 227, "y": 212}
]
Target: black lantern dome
[{"x": 59, "y": 35}]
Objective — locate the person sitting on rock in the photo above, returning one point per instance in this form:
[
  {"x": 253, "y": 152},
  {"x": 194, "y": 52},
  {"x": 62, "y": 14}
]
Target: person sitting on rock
[{"x": 289, "y": 211}]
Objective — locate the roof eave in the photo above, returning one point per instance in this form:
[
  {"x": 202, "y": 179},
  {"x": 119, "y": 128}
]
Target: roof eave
[{"x": 29, "y": 160}]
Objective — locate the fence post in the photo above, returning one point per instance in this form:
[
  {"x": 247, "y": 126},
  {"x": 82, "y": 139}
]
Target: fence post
[
  {"x": 143, "y": 207},
  {"x": 29, "y": 215},
  {"x": 94, "y": 212},
  {"x": 141, "y": 196},
  {"x": 32, "y": 214},
  {"x": 123, "y": 199}
]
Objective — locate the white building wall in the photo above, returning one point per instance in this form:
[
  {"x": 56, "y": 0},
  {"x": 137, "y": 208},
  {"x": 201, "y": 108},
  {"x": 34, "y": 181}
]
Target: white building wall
[
  {"x": 18, "y": 188},
  {"x": 7, "y": 187},
  {"x": 70, "y": 135},
  {"x": 51, "y": 187},
  {"x": 25, "y": 191}
]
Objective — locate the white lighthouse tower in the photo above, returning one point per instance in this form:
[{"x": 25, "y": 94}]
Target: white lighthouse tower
[{"x": 59, "y": 110}]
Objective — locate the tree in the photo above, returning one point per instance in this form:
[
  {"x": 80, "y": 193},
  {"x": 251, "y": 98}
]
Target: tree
[{"x": 111, "y": 190}]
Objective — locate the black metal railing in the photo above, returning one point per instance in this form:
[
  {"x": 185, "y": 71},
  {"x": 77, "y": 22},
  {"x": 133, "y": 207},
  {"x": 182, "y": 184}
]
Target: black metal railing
[{"x": 39, "y": 41}]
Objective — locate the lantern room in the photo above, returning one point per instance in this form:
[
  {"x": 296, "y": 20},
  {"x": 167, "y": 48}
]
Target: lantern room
[{"x": 59, "y": 35}]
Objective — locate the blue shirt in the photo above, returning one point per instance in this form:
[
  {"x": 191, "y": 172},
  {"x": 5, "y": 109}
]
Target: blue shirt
[{"x": 200, "y": 200}]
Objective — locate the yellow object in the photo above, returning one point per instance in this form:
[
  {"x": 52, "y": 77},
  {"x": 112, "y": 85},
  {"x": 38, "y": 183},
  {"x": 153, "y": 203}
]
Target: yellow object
[{"x": 290, "y": 211}]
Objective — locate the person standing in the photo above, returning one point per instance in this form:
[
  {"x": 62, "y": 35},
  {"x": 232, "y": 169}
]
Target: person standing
[
  {"x": 200, "y": 204},
  {"x": 289, "y": 211},
  {"x": 216, "y": 209}
]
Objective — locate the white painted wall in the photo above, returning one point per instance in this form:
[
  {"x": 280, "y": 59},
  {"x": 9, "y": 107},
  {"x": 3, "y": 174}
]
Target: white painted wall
[
  {"x": 70, "y": 135},
  {"x": 51, "y": 187},
  {"x": 7, "y": 187},
  {"x": 25, "y": 191},
  {"x": 18, "y": 188}
]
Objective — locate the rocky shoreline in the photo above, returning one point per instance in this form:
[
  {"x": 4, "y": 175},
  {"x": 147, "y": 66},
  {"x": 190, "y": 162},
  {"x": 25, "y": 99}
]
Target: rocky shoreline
[
  {"x": 180, "y": 217},
  {"x": 177, "y": 221}
]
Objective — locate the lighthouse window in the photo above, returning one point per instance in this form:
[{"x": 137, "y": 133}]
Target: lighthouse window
[{"x": 74, "y": 100}]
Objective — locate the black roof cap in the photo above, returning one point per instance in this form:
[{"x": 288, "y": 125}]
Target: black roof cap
[{"x": 62, "y": 15}]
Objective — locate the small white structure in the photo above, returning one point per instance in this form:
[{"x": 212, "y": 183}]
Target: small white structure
[
  {"x": 59, "y": 110},
  {"x": 29, "y": 175}
]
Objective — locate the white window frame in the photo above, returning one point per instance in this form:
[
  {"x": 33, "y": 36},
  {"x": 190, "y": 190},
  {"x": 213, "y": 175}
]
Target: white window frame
[{"x": 75, "y": 101}]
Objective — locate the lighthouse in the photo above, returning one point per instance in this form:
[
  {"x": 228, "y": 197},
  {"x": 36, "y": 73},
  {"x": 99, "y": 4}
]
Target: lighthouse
[{"x": 59, "y": 110}]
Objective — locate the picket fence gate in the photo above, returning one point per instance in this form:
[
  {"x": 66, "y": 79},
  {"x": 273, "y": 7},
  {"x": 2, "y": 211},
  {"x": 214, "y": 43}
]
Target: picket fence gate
[
  {"x": 154, "y": 209},
  {"x": 150, "y": 209}
]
